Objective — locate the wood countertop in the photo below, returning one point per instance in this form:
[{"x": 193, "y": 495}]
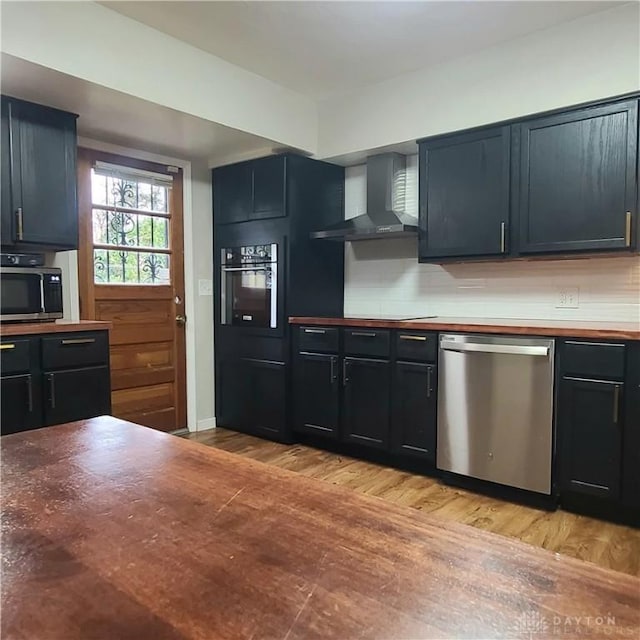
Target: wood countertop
[
  {"x": 111, "y": 530},
  {"x": 553, "y": 328},
  {"x": 59, "y": 326}
]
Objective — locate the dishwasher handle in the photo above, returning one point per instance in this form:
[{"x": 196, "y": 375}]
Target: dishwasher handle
[{"x": 477, "y": 347}]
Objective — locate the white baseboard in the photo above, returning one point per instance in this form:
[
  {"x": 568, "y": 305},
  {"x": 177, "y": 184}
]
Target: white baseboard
[{"x": 207, "y": 423}]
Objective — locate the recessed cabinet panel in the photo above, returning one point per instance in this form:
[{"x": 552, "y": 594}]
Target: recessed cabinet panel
[
  {"x": 464, "y": 194},
  {"x": 232, "y": 193},
  {"x": 20, "y": 407},
  {"x": 269, "y": 187},
  {"x": 577, "y": 180},
  {"x": 591, "y": 421},
  {"x": 316, "y": 394}
]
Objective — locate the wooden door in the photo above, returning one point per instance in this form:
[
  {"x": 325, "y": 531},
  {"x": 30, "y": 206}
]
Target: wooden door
[
  {"x": 590, "y": 423},
  {"x": 578, "y": 180},
  {"x": 413, "y": 423},
  {"x": 464, "y": 194},
  {"x": 316, "y": 394},
  {"x": 366, "y": 402},
  {"x": 132, "y": 274}
]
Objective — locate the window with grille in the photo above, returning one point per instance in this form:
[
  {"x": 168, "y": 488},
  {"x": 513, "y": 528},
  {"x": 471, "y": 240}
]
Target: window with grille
[{"x": 131, "y": 214}]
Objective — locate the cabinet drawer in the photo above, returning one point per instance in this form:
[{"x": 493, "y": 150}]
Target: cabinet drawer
[
  {"x": 595, "y": 359},
  {"x": 75, "y": 350},
  {"x": 318, "y": 339},
  {"x": 367, "y": 342},
  {"x": 15, "y": 356},
  {"x": 415, "y": 345}
]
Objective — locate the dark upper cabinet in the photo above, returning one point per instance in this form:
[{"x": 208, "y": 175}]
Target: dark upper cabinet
[
  {"x": 232, "y": 193},
  {"x": 464, "y": 194},
  {"x": 76, "y": 394},
  {"x": 39, "y": 206},
  {"x": 590, "y": 421},
  {"x": 250, "y": 190},
  {"x": 577, "y": 180},
  {"x": 316, "y": 394},
  {"x": 413, "y": 418},
  {"x": 269, "y": 187},
  {"x": 367, "y": 392}
]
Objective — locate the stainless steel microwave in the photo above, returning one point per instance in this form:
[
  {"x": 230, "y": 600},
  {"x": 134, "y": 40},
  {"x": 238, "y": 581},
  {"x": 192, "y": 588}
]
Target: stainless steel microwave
[{"x": 30, "y": 294}]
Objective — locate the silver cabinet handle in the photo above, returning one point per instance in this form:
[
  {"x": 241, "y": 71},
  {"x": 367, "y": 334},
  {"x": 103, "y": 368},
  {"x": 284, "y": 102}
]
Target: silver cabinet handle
[
  {"x": 70, "y": 341},
  {"x": 320, "y": 331},
  {"x": 364, "y": 334},
  {"x": 29, "y": 394},
  {"x": 416, "y": 338},
  {"x": 19, "y": 223},
  {"x": 627, "y": 230},
  {"x": 345, "y": 377},
  {"x": 334, "y": 377},
  {"x": 246, "y": 268},
  {"x": 520, "y": 350},
  {"x": 428, "y": 382},
  {"x": 616, "y": 404},
  {"x": 52, "y": 390},
  {"x": 502, "y": 237}
]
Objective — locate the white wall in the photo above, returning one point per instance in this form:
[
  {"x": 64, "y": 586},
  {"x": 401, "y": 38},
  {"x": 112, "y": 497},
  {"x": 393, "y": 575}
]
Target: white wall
[
  {"x": 384, "y": 277},
  {"x": 593, "y": 57},
  {"x": 91, "y": 42}
]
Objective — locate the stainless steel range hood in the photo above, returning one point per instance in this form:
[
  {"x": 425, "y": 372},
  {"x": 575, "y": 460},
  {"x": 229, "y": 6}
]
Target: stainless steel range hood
[{"x": 385, "y": 217}]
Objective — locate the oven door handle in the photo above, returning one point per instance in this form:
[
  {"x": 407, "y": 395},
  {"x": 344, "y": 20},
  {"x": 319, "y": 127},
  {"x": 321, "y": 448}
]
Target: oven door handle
[{"x": 246, "y": 268}]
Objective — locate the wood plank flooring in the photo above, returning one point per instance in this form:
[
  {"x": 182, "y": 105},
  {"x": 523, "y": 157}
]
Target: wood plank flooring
[{"x": 606, "y": 544}]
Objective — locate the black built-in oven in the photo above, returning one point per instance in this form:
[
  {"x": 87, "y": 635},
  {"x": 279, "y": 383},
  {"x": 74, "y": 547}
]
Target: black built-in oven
[{"x": 249, "y": 286}]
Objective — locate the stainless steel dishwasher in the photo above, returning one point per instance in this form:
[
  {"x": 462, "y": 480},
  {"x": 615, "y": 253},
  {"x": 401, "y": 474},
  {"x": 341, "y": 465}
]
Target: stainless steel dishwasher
[{"x": 495, "y": 409}]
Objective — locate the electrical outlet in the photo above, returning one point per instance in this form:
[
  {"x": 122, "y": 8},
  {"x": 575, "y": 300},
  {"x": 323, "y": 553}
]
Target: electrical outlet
[
  {"x": 568, "y": 298},
  {"x": 205, "y": 287}
]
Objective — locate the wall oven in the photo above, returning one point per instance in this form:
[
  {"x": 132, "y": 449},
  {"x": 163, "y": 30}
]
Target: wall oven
[
  {"x": 30, "y": 294},
  {"x": 249, "y": 286}
]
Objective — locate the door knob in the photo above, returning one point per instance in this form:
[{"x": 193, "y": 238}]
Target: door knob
[{"x": 181, "y": 319}]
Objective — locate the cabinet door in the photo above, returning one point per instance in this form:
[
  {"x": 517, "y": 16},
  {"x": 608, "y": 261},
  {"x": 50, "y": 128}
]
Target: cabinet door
[
  {"x": 266, "y": 396},
  {"x": 590, "y": 427},
  {"x": 43, "y": 175},
  {"x": 577, "y": 180},
  {"x": 232, "y": 193},
  {"x": 76, "y": 394},
  {"x": 7, "y": 212},
  {"x": 413, "y": 420},
  {"x": 20, "y": 407},
  {"x": 269, "y": 187},
  {"x": 316, "y": 394},
  {"x": 366, "y": 402},
  {"x": 631, "y": 440},
  {"x": 464, "y": 194}
]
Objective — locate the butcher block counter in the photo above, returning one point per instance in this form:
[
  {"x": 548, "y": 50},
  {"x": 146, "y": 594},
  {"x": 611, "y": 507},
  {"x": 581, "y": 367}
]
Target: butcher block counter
[
  {"x": 112, "y": 530},
  {"x": 553, "y": 328},
  {"x": 59, "y": 326}
]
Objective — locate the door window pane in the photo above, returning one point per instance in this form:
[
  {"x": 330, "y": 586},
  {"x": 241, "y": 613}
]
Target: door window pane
[{"x": 130, "y": 267}]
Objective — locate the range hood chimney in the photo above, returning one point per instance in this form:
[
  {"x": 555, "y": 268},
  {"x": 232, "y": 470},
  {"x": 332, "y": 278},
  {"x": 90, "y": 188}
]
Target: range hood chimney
[{"x": 385, "y": 217}]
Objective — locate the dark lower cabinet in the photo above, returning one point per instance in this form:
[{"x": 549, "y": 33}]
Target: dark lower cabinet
[
  {"x": 51, "y": 379},
  {"x": 265, "y": 397},
  {"x": 590, "y": 422},
  {"x": 316, "y": 394},
  {"x": 413, "y": 417},
  {"x": 20, "y": 407},
  {"x": 631, "y": 448},
  {"x": 76, "y": 394},
  {"x": 367, "y": 394}
]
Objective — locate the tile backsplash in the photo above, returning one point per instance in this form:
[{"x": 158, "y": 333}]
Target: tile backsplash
[{"x": 384, "y": 277}]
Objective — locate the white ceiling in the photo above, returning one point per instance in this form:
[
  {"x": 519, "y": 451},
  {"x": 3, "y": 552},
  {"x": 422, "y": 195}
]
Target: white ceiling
[
  {"x": 121, "y": 119},
  {"x": 325, "y": 48}
]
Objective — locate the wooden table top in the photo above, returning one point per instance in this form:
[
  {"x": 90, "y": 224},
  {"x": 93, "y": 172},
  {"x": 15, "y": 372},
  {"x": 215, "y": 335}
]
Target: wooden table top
[
  {"x": 116, "y": 531},
  {"x": 516, "y": 326},
  {"x": 58, "y": 326}
]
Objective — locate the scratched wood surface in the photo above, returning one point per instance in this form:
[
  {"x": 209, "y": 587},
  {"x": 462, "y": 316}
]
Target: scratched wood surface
[{"x": 111, "y": 530}]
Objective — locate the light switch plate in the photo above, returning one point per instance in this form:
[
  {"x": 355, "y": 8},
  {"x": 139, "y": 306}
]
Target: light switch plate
[
  {"x": 568, "y": 298},
  {"x": 205, "y": 287}
]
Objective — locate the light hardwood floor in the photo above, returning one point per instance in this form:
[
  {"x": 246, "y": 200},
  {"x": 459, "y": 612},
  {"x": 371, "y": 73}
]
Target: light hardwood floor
[{"x": 609, "y": 545}]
